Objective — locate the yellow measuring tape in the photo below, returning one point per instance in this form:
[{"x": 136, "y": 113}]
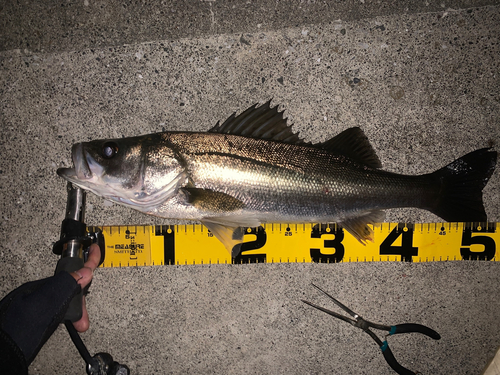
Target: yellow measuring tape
[{"x": 145, "y": 245}]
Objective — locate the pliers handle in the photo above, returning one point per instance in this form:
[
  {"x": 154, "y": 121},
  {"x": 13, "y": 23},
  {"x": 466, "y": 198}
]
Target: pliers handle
[
  {"x": 365, "y": 325},
  {"x": 394, "y": 330}
]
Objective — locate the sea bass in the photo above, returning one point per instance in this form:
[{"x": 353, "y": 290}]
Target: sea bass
[{"x": 253, "y": 169}]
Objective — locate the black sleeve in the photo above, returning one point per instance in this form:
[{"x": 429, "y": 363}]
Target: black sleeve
[
  {"x": 30, "y": 314},
  {"x": 12, "y": 360}
]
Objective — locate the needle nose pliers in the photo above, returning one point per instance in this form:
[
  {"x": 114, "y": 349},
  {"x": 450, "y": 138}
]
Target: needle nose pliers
[{"x": 365, "y": 325}]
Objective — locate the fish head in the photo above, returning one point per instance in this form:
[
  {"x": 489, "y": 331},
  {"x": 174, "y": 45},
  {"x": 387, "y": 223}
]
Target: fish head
[{"x": 142, "y": 172}]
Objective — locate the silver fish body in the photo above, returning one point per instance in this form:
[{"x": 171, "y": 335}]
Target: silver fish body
[
  {"x": 253, "y": 169},
  {"x": 281, "y": 182}
]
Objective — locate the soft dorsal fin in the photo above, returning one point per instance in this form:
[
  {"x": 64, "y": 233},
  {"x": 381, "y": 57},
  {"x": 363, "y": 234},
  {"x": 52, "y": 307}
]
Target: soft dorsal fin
[
  {"x": 354, "y": 144},
  {"x": 261, "y": 122}
]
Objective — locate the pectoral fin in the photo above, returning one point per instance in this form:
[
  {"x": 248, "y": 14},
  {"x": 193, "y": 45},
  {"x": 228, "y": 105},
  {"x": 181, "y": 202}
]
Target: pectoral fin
[
  {"x": 212, "y": 201},
  {"x": 357, "y": 226}
]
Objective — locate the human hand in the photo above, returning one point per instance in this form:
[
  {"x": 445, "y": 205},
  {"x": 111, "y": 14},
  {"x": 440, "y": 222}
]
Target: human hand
[
  {"x": 83, "y": 277},
  {"x": 30, "y": 313}
]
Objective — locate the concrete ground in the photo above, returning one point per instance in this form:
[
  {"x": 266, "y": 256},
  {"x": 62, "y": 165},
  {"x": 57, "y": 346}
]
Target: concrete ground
[{"x": 422, "y": 80}]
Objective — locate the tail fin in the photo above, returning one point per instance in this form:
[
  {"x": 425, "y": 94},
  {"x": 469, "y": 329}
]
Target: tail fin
[{"x": 462, "y": 183}]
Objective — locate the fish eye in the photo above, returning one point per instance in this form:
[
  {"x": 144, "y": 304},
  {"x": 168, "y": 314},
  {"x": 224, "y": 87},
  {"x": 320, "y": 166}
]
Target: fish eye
[{"x": 109, "y": 149}]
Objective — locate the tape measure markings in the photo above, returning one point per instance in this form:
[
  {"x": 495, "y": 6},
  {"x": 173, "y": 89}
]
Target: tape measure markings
[{"x": 146, "y": 245}]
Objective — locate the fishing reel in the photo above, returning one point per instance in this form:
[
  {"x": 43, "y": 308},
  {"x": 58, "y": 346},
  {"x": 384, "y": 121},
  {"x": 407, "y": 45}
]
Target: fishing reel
[
  {"x": 73, "y": 247},
  {"x": 104, "y": 364}
]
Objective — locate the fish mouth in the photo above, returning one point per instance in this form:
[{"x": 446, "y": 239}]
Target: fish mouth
[{"x": 82, "y": 170}]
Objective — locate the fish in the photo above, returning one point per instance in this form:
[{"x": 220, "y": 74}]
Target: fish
[{"x": 254, "y": 169}]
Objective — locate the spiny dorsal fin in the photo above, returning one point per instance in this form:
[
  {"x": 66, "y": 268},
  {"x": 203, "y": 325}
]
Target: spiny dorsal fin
[
  {"x": 261, "y": 122},
  {"x": 354, "y": 144}
]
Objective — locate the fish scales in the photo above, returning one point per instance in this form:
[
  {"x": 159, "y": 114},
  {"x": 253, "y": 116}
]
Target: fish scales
[{"x": 292, "y": 183}]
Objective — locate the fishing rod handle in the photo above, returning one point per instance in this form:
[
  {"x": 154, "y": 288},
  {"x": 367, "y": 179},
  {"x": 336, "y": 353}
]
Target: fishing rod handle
[
  {"x": 71, "y": 245},
  {"x": 413, "y": 327},
  {"x": 389, "y": 357}
]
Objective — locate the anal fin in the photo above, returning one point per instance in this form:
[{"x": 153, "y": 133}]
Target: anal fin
[{"x": 357, "y": 226}]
